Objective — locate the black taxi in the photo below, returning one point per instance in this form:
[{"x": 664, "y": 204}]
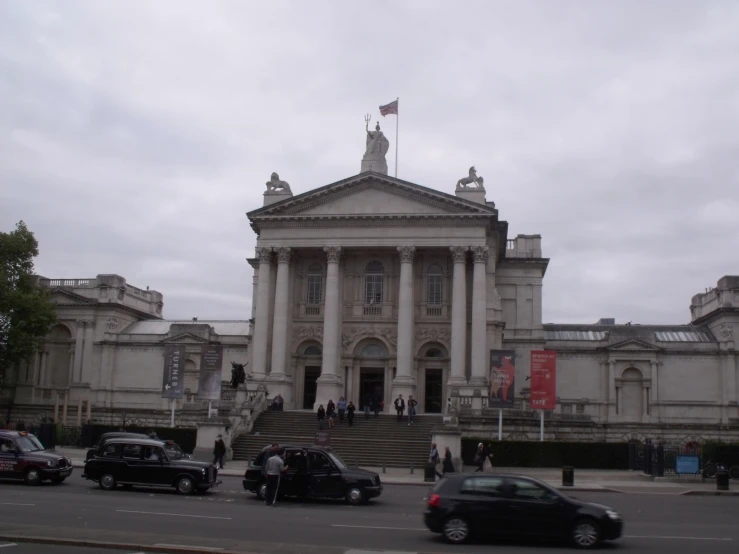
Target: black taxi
[
  {"x": 146, "y": 463},
  {"x": 315, "y": 472},
  {"x": 22, "y": 456}
]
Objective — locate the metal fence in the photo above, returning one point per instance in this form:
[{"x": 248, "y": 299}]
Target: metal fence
[{"x": 659, "y": 460}]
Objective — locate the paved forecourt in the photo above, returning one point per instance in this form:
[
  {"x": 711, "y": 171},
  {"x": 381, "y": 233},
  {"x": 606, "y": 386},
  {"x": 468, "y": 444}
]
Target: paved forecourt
[{"x": 236, "y": 521}]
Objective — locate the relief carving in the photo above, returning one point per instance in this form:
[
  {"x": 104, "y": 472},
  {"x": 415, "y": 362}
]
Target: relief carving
[
  {"x": 497, "y": 300},
  {"x": 426, "y": 334},
  {"x": 112, "y": 324},
  {"x": 305, "y": 332},
  {"x": 353, "y": 333},
  {"x": 333, "y": 253},
  {"x": 407, "y": 253},
  {"x": 726, "y": 330}
]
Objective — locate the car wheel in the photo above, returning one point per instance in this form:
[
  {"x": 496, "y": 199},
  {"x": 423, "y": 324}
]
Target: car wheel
[
  {"x": 262, "y": 491},
  {"x": 32, "y": 477},
  {"x": 355, "y": 495},
  {"x": 456, "y": 530},
  {"x": 107, "y": 482},
  {"x": 185, "y": 486},
  {"x": 58, "y": 480},
  {"x": 586, "y": 533}
]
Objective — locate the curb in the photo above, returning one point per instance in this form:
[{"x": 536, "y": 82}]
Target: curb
[
  {"x": 710, "y": 493},
  {"x": 118, "y": 545}
]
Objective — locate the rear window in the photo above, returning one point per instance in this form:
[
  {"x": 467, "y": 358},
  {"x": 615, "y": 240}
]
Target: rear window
[
  {"x": 488, "y": 486},
  {"x": 112, "y": 451},
  {"x": 132, "y": 451},
  {"x": 259, "y": 460}
]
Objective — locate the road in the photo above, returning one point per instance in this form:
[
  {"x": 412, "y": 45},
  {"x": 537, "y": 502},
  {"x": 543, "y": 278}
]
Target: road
[{"x": 234, "y": 520}]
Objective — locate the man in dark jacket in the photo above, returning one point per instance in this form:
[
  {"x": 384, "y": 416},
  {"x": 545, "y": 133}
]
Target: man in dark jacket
[{"x": 219, "y": 451}]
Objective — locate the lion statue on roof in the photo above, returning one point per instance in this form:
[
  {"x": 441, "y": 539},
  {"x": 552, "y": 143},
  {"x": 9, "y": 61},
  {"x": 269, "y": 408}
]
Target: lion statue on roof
[{"x": 274, "y": 184}]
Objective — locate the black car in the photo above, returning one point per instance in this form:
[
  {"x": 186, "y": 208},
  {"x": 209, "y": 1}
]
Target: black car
[
  {"x": 462, "y": 506},
  {"x": 22, "y": 456},
  {"x": 112, "y": 435},
  {"x": 315, "y": 472},
  {"x": 145, "y": 462}
]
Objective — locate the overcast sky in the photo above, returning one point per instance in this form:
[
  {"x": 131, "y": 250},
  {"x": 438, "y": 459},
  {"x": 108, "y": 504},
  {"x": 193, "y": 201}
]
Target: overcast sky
[{"x": 135, "y": 135}]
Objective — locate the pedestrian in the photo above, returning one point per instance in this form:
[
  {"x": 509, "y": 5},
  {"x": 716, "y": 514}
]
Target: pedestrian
[
  {"x": 399, "y": 406},
  {"x": 367, "y": 405},
  {"x": 376, "y": 403},
  {"x": 330, "y": 413},
  {"x": 411, "y": 409},
  {"x": 480, "y": 457},
  {"x": 434, "y": 459},
  {"x": 275, "y": 468},
  {"x": 490, "y": 457},
  {"x": 219, "y": 451},
  {"x": 342, "y": 409},
  {"x": 271, "y": 452},
  {"x": 350, "y": 413},
  {"x": 153, "y": 435},
  {"x": 321, "y": 414},
  {"x": 448, "y": 464}
]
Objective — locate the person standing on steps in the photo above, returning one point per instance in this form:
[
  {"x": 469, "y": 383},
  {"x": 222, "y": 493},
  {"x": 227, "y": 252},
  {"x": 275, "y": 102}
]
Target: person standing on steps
[
  {"x": 367, "y": 405},
  {"x": 321, "y": 415},
  {"x": 330, "y": 413},
  {"x": 350, "y": 413},
  {"x": 275, "y": 468},
  {"x": 411, "y": 409},
  {"x": 342, "y": 409},
  {"x": 399, "y": 406},
  {"x": 376, "y": 403},
  {"x": 219, "y": 451}
]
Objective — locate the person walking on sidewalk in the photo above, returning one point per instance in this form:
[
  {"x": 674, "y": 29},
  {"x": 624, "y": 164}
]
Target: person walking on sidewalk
[
  {"x": 411, "y": 409},
  {"x": 448, "y": 465},
  {"x": 434, "y": 459},
  {"x": 219, "y": 451},
  {"x": 399, "y": 406},
  {"x": 350, "y": 413},
  {"x": 275, "y": 468},
  {"x": 480, "y": 456},
  {"x": 342, "y": 409}
]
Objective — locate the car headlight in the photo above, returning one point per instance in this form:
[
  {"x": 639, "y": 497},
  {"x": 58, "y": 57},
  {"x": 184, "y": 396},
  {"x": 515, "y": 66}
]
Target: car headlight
[
  {"x": 69, "y": 462},
  {"x": 49, "y": 464},
  {"x": 203, "y": 471},
  {"x": 613, "y": 515}
]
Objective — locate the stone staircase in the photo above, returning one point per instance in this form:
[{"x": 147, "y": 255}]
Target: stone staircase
[{"x": 369, "y": 443}]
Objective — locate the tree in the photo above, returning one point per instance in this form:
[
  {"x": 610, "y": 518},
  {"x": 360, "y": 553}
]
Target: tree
[{"x": 26, "y": 313}]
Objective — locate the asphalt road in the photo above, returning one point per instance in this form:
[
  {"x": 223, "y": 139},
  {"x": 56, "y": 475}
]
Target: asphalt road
[
  {"x": 28, "y": 548},
  {"x": 234, "y": 520}
]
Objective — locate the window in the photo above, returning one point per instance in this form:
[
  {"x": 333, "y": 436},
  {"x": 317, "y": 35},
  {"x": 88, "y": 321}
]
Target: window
[
  {"x": 313, "y": 351},
  {"x": 373, "y": 351},
  {"x": 112, "y": 451},
  {"x": 434, "y": 353},
  {"x": 435, "y": 285},
  {"x": 132, "y": 452},
  {"x": 488, "y": 486},
  {"x": 154, "y": 454},
  {"x": 315, "y": 284},
  {"x": 526, "y": 490},
  {"x": 373, "y": 278}
]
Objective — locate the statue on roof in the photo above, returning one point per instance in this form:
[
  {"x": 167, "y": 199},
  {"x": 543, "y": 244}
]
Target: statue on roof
[
  {"x": 377, "y": 147},
  {"x": 274, "y": 184},
  {"x": 470, "y": 179}
]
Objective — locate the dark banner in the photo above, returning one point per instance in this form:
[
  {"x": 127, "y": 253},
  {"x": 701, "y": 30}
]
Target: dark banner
[
  {"x": 543, "y": 379},
  {"x": 211, "y": 363},
  {"x": 173, "y": 382},
  {"x": 502, "y": 378}
]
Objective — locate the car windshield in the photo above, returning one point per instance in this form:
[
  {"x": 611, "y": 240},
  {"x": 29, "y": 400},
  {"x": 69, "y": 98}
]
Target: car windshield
[
  {"x": 29, "y": 443},
  {"x": 337, "y": 460},
  {"x": 174, "y": 451}
]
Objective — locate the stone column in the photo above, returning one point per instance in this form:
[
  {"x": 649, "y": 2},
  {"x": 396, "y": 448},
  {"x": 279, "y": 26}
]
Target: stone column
[
  {"x": 87, "y": 368},
  {"x": 89, "y": 408},
  {"x": 78, "y": 351},
  {"x": 329, "y": 383},
  {"x": 44, "y": 363},
  {"x": 282, "y": 311},
  {"x": 261, "y": 319},
  {"x": 459, "y": 316},
  {"x": 604, "y": 391},
  {"x": 479, "y": 317},
  {"x": 404, "y": 383},
  {"x": 655, "y": 389},
  {"x": 613, "y": 396},
  {"x": 65, "y": 409},
  {"x": 70, "y": 375}
]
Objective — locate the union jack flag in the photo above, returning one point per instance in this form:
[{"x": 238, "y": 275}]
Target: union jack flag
[{"x": 391, "y": 108}]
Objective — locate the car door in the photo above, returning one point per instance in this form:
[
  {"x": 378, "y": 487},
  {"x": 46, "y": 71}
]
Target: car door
[
  {"x": 289, "y": 479},
  {"x": 326, "y": 479},
  {"x": 534, "y": 509},
  {"x": 9, "y": 462},
  {"x": 133, "y": 468},
  {"x": 482, "y": 500},
  {"x": 156, "y": 469}
]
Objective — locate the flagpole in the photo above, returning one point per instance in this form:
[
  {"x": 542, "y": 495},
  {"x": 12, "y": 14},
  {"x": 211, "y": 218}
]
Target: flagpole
[{"x": 397, "y": 122}]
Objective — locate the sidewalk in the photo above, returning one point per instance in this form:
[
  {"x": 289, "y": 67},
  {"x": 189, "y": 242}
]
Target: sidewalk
[{"x": 586, "y": 480}]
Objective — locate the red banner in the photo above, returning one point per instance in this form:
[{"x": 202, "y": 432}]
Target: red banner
[{"x": 543, "y": 379}]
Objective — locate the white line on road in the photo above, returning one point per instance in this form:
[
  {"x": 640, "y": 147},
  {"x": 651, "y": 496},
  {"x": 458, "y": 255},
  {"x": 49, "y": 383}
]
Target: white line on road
[
  {"x": 167, "y": 514},
  {"x": 385, "y": 528},
  {"x": 667, "y": 537},
  {"x": 8, "y": 544},
  {"x": 14, "y": 504},
  {"x": 209, "y": 548}
]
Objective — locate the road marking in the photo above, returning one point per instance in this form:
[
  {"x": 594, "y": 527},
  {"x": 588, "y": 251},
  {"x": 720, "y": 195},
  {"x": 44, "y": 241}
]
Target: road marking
[
  {"x": 191, "y": 547},
  {"x": 8, "y": 544},
  {"x": 384, "y": 528},
  {"x": 667, "y": 537},
  {"x": 168, "y": 514},
  {"x": 14, "y": 504}
]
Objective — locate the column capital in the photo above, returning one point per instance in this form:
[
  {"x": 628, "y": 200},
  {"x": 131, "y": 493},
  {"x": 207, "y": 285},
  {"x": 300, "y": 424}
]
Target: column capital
[
  {"x": 459, "y": 253},
  {"x": 480, "y": 254},
  {"x": 284, "y": 254},
  {"x": 80, "y": 323},
  {"x": 89, "y": 323},
  {"x": 333, "y": 254},
  {"x": 407, "y": 253},
  {"x": 264, "y": 254}
]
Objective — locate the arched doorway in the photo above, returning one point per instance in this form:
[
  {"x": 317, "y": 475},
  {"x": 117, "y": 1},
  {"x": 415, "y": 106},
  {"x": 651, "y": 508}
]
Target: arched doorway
[
  {"x": 433, "y": 366},
  {"x": 308, "y": 360},
  {"x": 373, "y": 356}
]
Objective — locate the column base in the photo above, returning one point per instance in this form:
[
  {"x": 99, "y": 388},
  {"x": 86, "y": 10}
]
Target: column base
[
  {"x": 405, "y": 385},
  {"x": 479, "y": 382},
  {"x": 328, "y": 387},
  {"x": 456, "y": 381}
]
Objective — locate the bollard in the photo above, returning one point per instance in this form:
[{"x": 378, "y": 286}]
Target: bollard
[
  {"x": 722, "y": 480},
  {"x": 383, "y": 466},
  {"x": 568, "y": 476},
  {"x": 411, "y": 468}
]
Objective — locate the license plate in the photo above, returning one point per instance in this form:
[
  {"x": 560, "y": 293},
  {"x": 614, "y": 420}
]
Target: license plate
[{"x": 66, "y": 471}]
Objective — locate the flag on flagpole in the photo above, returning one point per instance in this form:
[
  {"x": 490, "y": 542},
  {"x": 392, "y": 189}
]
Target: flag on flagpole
[{"x": 391, "y": 108}]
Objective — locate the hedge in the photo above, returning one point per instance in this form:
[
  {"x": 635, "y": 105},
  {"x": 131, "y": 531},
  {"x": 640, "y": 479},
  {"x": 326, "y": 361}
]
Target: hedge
[
  {"x": 724, "y": 452},
  {"x": 583, "y": 455}
]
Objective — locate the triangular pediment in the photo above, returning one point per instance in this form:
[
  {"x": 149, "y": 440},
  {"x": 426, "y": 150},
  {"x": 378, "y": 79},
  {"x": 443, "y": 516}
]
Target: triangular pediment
[
  {"x": 632, "y": 345},
  {"x": 370, "y": 194},
  {"x": 185, "y": 338},
  {"x": 62, "y": 297}
]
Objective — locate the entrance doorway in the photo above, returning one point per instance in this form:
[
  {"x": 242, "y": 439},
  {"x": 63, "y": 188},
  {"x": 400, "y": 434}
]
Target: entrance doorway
[
  {"x": 433, "y": 401},
  {"x": 310, "y": 386},
  {"x": 371, "y": 382}
]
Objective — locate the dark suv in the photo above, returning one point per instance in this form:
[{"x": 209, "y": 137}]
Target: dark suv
[
  {"x": 145, "y": 462},
  {"x": 22, "y": 456},
  {"x": 462, "y": 506},
  {"x": 315, "y": 472}
]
